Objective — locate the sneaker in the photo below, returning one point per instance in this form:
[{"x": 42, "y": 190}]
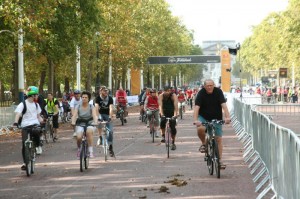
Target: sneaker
[
  {"x": 173, "y": 147},
  {"x": 111, "y": 152},
  {"x": 74, "y": 134},
  {"x": 91, "y": 155},
  {"x": 55, "y": 138},
  {"x": 39, "y": 150},
  {"x": 125, "y": 121},
  {"x": 222, "y": 165},
  {"x": 23, "y": 167},
  {"x": 78, "y": 153},
  {"x": 163, "y": 140},
  {"x": 99, "y": 142},
  {"x": 148, "y": 126}
]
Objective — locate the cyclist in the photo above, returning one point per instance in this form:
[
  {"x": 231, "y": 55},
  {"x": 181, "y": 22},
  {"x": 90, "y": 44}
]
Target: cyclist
[
  {"x": 151, "y": 103},
  {"x": 168, "y": 107},
  {"x": 104, "y": 105},
  {"x": 209, "y": 103},
  {"x": 76, "y": 99},
  {"x": 181, "y": 100},
  {"x": 85, "y": 112},
  {"x": 145, "y": 95},
  {"x": 29, "y": 118},
  {"x": 141, "y": 102},
  {"x": 53, "y": 108},
  {"x": 189, "y": 94},
  {"x": 121, "y": 100}
]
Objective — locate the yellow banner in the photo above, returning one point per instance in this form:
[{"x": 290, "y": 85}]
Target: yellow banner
[
  {"x": 225, "y": 71},
  {"x": 135, "y": 82}
]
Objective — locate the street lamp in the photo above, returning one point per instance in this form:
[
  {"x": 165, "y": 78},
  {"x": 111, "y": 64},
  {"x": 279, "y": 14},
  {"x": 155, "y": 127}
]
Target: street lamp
[
  {"x": 20, "y": 62},
  {"x": 97, "y": 86}
]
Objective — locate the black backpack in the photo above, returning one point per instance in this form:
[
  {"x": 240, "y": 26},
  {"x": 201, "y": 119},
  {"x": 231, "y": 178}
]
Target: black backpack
[{"x": 24, "y": 111}]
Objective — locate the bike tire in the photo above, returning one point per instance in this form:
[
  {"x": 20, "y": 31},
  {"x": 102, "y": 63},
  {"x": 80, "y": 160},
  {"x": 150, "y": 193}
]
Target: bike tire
[
  {"x": 180, "y": 112},
  {"x": 168, "y": 141},
  {"x": 105, "y": 148},
  {"x": 82, "y": 151},
  {"x": 45, "y": 136},
  {"x": 152, "y": 129},
  {"x": 28, "y": 160},
  {"x": 210, "y": 162},
  {"x": 86, "y": 158},
  {"x": 217, "y": 159}
]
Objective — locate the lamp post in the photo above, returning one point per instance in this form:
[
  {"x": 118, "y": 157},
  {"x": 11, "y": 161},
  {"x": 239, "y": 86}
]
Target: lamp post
[
  {"x": 238, "y": 46},
  {"x": 97, "y": 86}
]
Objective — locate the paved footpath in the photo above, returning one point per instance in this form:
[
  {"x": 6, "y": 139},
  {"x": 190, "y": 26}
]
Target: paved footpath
[{"x": 141, "y": 168}]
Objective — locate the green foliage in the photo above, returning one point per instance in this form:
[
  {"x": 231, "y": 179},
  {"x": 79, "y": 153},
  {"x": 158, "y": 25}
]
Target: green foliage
[{"x": 132, "y": 30}]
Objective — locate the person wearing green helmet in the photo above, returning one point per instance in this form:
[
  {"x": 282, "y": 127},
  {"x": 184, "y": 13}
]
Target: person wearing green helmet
[{"x": 30, "y": 113}]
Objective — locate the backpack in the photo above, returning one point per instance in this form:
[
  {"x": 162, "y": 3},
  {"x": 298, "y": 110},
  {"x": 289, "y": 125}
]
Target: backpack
[{"x": 24, "y": 111}]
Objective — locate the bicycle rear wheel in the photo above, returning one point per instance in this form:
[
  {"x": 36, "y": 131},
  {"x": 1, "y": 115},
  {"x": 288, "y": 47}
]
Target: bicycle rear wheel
[
  {"x": 82, "y": 152},
  {"x": 216, "y": 159},
  {"x": 210, "y": 162}
]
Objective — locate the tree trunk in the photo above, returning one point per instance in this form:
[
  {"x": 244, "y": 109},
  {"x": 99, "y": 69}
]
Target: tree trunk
[
  {"x": 50, "y": 76},
  {"x": 42, "y": 82},
  {"x": 67, "y": 84},
  {"x": 88, "y": 85}
]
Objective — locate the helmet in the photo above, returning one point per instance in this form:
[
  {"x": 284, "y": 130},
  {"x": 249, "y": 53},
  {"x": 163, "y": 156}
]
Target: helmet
[
  {"x": 77, "y": 92},
  {"x": 32, "y": 90}
]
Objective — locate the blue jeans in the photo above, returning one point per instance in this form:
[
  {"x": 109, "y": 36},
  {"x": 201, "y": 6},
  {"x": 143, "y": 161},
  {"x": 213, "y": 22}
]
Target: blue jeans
[
  {"x": 110, "y": 127},
  {"x": 218, "y": 127}
]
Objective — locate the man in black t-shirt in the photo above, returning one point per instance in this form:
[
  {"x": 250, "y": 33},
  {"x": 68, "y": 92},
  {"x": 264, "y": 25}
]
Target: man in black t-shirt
[
  {"x": 104, "y": 105},
  {"x": 209, "y": 103}
]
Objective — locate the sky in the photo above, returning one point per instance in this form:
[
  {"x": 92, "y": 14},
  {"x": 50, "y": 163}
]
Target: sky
[{"x": 223, "y": 19}]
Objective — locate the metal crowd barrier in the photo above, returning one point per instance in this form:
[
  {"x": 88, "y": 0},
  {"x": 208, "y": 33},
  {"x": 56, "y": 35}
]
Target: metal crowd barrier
[
  {"x": 272, "y": 151},
  {"x": 7, "y": 117}
]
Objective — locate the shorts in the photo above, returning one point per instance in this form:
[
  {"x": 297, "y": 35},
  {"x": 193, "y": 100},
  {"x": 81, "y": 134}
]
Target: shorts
[
  {"x": 218, "y": 127},
  {"x": 79, "y": 129}
]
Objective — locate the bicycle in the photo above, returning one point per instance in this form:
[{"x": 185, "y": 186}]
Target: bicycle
[
  {"x": 212, "y": 156},
  {"x": 48, "y": 133},
  {"x": 105, "y": 134},
  {"x": 168, "y": 134},
  {"x": 181, "y": 108},
  {"x": 84, "y": 155},
  {"x": 151, "y": 122},
  {"x": 29, "y": 146},
  {"x": 121, "y": 114}
]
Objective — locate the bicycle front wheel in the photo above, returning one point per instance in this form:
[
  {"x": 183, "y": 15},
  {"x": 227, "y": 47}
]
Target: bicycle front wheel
[
  {"x": 86, "y": 158},
  {"x": 82, "y": 152},
  {"x": 152, "y": 129},
  {"x": 28, "y": 162},
  {"x": 168, "y": 138},
  {"x": 210, "y": 162},
  {"x": 217, "y": 159}
]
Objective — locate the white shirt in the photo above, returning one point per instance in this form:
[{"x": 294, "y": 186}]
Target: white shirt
[
  {"x": 31, "y": 115},
  {"x": 74, "y": 102}
]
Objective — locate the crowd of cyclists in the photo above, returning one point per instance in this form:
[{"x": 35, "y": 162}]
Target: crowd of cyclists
[
  {"x": 273, "y": 94},
  {"x": 82, "y": 108}
]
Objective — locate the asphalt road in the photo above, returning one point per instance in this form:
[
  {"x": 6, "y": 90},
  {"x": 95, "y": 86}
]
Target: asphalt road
[{"x": 141, "y": 168}]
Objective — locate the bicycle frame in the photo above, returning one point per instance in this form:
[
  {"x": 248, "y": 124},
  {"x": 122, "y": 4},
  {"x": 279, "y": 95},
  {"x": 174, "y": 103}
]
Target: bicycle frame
[
  {"x": 151, "y": 122},
  {"x": 212, "y": 150},
  {"x": 84, "y": 157},
  {"x": 30, "y": 153},
  {"x": 168, "y": 135},
  {"x": 105, "y": 134}
]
